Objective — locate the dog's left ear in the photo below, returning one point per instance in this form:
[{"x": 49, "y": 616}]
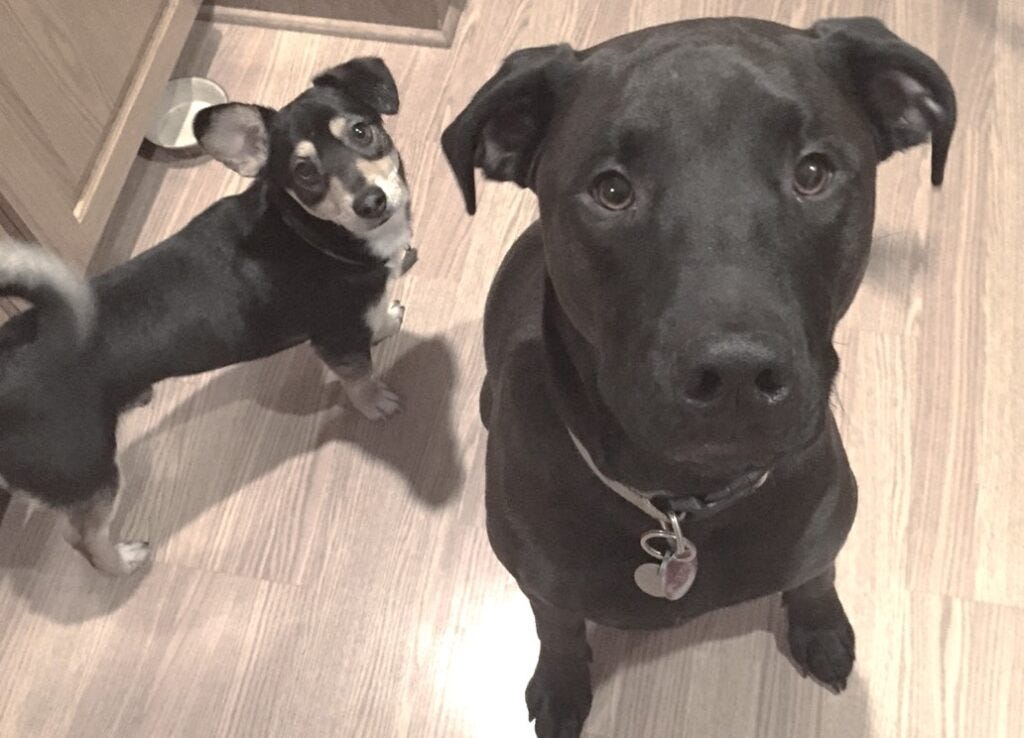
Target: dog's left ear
[
  {"x": 367, "y": 79},
  {"x": 236, "y": 135},
  {"x": 906, "y": 94}
]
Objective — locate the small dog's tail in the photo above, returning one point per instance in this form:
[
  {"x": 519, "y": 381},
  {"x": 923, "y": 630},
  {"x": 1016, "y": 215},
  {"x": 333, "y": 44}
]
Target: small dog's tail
[{"x": 65, "y": 301}]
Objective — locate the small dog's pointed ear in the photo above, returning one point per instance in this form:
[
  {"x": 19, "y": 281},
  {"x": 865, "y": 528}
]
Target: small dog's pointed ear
[
  {"x": 236, "y": 135},
  {"x": 501, "y": 129},
  {"x": 367, "y": 79},
  {"x": 906, "y": 94}
]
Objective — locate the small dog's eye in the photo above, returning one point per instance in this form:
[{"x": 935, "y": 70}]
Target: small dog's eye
[
  {"x": 306, "y": 172},
  {"x": 361, "y": 132},
  {"x": 812, "y": 174},
  {"x": 612, "y": 191}
]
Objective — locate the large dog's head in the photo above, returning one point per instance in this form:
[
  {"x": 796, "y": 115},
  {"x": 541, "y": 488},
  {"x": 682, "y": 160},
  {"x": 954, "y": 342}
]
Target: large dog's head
[
  {"x": 327, "y": 148},
  {"x": 706, "y": 192}
]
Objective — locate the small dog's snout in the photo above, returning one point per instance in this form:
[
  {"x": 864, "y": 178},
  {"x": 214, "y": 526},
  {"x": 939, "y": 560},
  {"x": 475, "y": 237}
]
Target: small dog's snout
[
  {"x": 751, "y": 370},
  {"x": 371, "y": 203}
]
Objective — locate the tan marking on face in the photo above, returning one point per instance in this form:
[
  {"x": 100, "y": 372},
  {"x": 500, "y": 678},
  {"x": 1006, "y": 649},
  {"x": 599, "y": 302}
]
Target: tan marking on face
[
  {"x": 339, "y": 125},
  {"x": 305, "y": 150},
  {"x": 384, "y": 173},
  {"x": 373, "y": 170},
  {"x": 335, "y": 206}
]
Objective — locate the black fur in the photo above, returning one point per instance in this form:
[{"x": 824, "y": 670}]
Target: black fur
[
  {"x": 252, "y": 275},
  {"x": 599, "y": 316}
]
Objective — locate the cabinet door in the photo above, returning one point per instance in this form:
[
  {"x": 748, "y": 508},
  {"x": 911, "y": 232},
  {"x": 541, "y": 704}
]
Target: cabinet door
[{"x": 78, "y": 84}]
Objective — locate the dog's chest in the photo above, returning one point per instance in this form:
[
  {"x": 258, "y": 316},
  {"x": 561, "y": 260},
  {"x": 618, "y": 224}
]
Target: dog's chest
[{"x": 390, "y": 240}]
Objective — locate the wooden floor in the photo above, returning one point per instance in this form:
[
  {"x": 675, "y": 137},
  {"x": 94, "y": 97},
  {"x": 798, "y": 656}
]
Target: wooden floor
[{"x": 319, "y": 575}]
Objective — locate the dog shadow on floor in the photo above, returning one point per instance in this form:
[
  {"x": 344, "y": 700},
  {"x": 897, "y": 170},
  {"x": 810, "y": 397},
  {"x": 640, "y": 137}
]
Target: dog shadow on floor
[
  {"x": 300, "y": 408},
  {"x": 765, "y": 675}
]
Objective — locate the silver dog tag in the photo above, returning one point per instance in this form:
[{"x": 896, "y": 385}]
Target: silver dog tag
[
  {"x": 648, "y": 579},
  {"x": 678, "y": 572},
  {"x": 674, "y": 575}
]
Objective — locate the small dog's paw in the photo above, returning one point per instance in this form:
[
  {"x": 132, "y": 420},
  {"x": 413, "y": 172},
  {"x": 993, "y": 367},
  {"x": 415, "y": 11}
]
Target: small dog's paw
[
  {"x": 558, "y": 698},
  {"x": 396, "y": 311},
  {"x": 824, "y": 650},
  {"x": 392, "y": 322},
  {"x": 133, "y": 555},
  {"x": 374, "y": 400}
]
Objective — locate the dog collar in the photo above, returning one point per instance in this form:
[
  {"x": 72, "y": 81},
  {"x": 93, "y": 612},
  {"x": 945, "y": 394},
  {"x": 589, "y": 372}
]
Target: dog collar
[
  {"x": 674, "y": 569},
  {"x": 693, "y": 507},
  {"x": 320, "y": 237}
]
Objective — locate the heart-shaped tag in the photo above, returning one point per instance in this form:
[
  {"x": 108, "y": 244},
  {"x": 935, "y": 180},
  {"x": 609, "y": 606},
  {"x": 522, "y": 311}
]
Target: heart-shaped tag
[
  {"x": 648, "y": 579},
  {"x": 677, "y": 575}
]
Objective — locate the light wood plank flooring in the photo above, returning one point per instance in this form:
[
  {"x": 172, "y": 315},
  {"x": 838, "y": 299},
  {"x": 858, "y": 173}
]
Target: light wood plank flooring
[{"x": 319, "y": 575}]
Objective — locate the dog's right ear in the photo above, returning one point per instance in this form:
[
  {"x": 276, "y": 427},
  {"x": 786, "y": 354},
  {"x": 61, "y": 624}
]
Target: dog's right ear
[
  {"x": 236, "y": 135},
  {"x": 501, "y": 129}
]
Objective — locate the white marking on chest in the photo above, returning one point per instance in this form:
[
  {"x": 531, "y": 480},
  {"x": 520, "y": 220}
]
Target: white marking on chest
[{"x": 389, "y": 240}]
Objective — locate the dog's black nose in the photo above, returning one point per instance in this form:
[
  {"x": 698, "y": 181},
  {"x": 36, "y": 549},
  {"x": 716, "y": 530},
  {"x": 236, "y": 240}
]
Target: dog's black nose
[
  {"x": 370, "y": 203},
  {"x": 750, "y": 370}
]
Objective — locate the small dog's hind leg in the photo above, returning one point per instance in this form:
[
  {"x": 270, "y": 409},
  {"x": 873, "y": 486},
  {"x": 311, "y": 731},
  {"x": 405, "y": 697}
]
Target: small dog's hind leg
[{"x": 89, "y": 531}]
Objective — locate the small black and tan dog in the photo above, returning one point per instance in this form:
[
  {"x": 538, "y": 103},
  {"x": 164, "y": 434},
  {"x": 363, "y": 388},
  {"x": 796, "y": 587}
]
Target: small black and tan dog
[{"x": 305, "y": 254}]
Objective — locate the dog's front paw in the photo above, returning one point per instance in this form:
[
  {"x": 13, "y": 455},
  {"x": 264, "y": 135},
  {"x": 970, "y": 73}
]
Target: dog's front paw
[
  {"x": 823, "y": 646},
  {"x": 396, "y": 316},
  {"x": 391, "y": 323},
  {"x": 558, "y": 697},
  {"x": 133, "y": 555},
  {"x": 374, "y": 400}
]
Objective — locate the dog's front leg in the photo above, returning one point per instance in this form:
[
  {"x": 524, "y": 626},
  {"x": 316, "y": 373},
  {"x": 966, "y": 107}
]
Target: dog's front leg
[
  {"x": 559, "y": 695},
  {"x": 821, "y": 639},
  {"x": 369, "y": 395}
]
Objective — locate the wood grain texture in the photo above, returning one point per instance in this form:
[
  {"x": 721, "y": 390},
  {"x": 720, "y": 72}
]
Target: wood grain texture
[
  {"x": 79, "y": 85},
  {"x": 424, "y": 14},
  {"x": 319, "y": 575},
  {"x": 438, "y": 32}
]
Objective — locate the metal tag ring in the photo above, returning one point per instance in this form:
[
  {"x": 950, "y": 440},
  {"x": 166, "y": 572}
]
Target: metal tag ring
[{"x": 646, "y": 538}]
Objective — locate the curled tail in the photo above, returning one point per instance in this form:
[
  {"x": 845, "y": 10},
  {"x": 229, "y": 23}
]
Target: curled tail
[{"x": 64, "y": 301}]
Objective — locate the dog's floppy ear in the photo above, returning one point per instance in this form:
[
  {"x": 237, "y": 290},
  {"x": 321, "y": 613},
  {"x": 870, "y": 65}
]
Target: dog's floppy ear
[
  {"x": 235, "y": 134},
  {"x": 906, "y": 94},
  {"x": 501, "y": 129},
  {"x": 367, "y": 79}
]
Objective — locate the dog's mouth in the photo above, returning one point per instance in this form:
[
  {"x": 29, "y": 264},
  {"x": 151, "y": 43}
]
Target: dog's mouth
[
  {"x": 371, "y": 224},
  {"x": 736, "y": 457}
]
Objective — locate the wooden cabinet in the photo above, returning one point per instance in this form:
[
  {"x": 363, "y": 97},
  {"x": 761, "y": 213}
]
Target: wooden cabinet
[
  {"x": 428, "y": 22},
  {"x": 79, "y": 80}
]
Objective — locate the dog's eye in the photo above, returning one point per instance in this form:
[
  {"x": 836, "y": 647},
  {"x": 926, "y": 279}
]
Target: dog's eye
[
  {"x": 306, "y": 172},
  {"x": 362, "y": 132},
  {"x": 612, "y": 191},
  {"x": 812, "y": 174}
]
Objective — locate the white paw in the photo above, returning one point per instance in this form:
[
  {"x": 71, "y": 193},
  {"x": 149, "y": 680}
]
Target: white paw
[
  {"x": 133, "y": 555},
  {"x": 391, "y": 322},
  {"x": 374, "y": 400},
  {"x": 396, "y": 311}
]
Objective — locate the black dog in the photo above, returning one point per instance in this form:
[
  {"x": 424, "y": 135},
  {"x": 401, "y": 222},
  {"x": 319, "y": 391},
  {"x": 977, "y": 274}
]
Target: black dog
[
  {"x": 662, "y": 336},
  {"x": 305, "y": 254}
]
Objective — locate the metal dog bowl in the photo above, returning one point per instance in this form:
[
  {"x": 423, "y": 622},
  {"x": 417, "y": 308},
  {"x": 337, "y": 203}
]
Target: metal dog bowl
[{"x": 182, "y": 99}]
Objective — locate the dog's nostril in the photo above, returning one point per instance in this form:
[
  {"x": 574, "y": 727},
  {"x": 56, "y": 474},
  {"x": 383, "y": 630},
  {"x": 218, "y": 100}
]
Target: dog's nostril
[
  {"x": 371, "y": 203},
  {"x": 704, "y": 386},
  {"x": 770, "y": 384}
]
